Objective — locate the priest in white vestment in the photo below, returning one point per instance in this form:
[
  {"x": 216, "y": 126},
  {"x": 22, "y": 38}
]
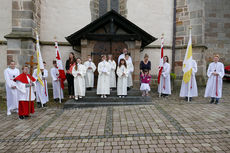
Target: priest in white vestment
[
  {"x": 122, "y": 56},
  {"x": 130, "y": 68},
  {"x": 57, "y": 90},
  {"x": 123, "y": 74},
  {"x": 41, "y": 91},
  {"x": 113, "y": 66},
  {"x": 215, "y": 75},
  {"x": 103, "y": 83},
  {"x": 165, "y": 84},
  {"x": 11, "y": 92},
  {"x": 79, "y": 72},
  {"x": 193, "y": 86},
  {"x": 90, "y": 69}
]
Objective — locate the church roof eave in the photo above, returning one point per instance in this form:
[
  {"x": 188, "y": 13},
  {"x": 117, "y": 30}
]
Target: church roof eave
[{"x": 135, "y": 32}]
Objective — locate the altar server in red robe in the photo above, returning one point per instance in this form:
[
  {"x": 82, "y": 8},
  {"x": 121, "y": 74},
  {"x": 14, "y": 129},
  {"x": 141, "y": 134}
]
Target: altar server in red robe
[{"x": 26, "y": 87}]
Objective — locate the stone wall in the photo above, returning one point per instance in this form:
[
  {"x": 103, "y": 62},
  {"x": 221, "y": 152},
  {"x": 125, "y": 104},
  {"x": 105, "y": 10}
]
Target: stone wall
[
  {"x": 210, "y": 22},
  {"x": 217, "y": 29},
  {"x": 25, "y": 20}
]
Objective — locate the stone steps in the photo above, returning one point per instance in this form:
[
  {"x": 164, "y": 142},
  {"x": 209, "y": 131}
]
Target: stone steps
[{"x": 93, "y": 100}]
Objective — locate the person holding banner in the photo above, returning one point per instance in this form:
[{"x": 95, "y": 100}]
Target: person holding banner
[
  {"x": 57, "y": 90},
  {"x": 26, "y": 88},
  {"x": 193, "y": 85},
  {"x": 165, "y": 83},
  {"x": 41, "y": 91},
  {"x": 215, "y": 75}
]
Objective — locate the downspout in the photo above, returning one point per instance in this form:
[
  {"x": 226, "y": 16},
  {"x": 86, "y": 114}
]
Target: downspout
[{"x": 174, "y": 36}]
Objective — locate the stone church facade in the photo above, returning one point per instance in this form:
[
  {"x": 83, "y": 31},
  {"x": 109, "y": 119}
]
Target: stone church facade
[{"x": 209, "y": 19}]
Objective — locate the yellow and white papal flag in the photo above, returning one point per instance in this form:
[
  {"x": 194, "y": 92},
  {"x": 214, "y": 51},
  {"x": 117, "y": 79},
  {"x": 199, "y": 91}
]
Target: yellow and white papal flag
[
  {"x": 187, "y": 63},
  {"x": 39, "y": 61}
]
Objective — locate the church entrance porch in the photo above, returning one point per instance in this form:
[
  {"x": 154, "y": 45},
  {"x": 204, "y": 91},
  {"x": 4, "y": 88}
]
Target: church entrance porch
[{"x": 110, "y": 34}]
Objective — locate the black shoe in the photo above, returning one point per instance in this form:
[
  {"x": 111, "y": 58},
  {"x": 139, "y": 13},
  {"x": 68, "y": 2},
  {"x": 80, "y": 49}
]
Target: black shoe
[
  {"x": 217, "y": 102},
  {"x": 44, "y": 105},
  {"x": 26, "y": 116},
  {"x": 186, "y": 99},
  {"x": 128, "y": 88},
  {"x": 212, "y": 101},
  {"x": 39, "y": 104},
  {"x": 21, "y": 117}
]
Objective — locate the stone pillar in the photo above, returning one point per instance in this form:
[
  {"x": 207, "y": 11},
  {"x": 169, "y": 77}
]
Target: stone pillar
[
  {"x": 135, "y": 54},
  {"x": 21, "y": 41}
]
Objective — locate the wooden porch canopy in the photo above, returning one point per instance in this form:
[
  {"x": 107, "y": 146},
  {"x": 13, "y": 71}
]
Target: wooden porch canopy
[{"x": 111, "y": 27}]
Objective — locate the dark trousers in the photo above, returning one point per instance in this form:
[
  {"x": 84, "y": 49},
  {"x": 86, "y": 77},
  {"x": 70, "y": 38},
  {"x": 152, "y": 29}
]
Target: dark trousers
[{"x": 70, "y": 80}]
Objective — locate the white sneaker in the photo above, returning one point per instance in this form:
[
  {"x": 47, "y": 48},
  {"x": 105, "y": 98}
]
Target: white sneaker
[
  {"x": 8, "y": 113},
  {"x": 76, "y": 98},
  {"x": 119, "y": 96},
  {"x": 102, "y": 96},
  {"x": 105, "y": 96},
  {"x": 80, "y": 97}
]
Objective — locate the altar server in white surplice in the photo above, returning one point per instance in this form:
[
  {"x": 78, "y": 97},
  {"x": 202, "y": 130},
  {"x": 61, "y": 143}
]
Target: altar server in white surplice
[
  {"x": 112, "y": 72},
  {"x": 165, "y": 84},
  {"x": 90, "y": 69},
  {"x": 11, "y": 92},
  {"x": 215, "y": 75},
  {"x": 79, "y": 72},
  {"x": 41, "y": 91},
  {"x": 122, "y": 56},
  {"x": 103, "y": 83},
  {"x": 130, "y": 68},
  {"x": 193, "y": 86},
  {"x": 123, "y": 74},
  {"x": 57, "y": 90}
]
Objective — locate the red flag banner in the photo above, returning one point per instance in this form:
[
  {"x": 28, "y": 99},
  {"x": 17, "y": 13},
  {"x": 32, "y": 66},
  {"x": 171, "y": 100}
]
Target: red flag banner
[
  {"x": 62, "y": 76},
  {"x": 161, "y": 60}
]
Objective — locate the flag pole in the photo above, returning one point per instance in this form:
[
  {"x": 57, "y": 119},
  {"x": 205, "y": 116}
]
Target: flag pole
[
  {"x": 55, "y": 39},
  {"x": 189, "y": 83},
  {"x": 162, "y": 37}
]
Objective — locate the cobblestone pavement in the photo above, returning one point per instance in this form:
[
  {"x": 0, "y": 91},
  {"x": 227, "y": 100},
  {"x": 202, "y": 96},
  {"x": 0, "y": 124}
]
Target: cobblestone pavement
[{"x": 168, "y": 125}]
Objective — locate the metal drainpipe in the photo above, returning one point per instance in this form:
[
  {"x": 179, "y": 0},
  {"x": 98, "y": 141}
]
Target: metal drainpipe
[{"x": 174, "y": 36}]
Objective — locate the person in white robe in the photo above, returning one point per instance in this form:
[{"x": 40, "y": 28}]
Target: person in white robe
[
  {"x": 164, "y": 88},
  {"x": 103, "y": 82},
  {"x": 113, "y": 66},
  {"x": 11, "y": 92},
  {"x": 90, "y": 69},
  {"x": 215, "y": 75},
  {"x": 130, "y": 68},
  {"x": 122, "y": 56},
  {"x": 123, "y": 74},
  {"x": 57, "y": 90},
  {"x": 79, "y": 72},
  {"x": 41, "y": 91},
  {"x": 193, "y": 86}
]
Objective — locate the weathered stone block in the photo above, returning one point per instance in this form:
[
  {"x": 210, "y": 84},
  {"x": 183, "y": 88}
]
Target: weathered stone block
[
  {"x": 13, "y": 44},
  {"x": 28, "y": 5},
  {"x": 9, "y": 59},
  {"x": 22, "y": 14},
  {"x": 13, "y": 51},
  {"x": 21, "y": 29}
]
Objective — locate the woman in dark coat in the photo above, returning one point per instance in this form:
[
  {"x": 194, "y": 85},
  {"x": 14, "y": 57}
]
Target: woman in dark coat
[
  {"x": 70, "y": 79},
  {"x": 145, "y": 64}
]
